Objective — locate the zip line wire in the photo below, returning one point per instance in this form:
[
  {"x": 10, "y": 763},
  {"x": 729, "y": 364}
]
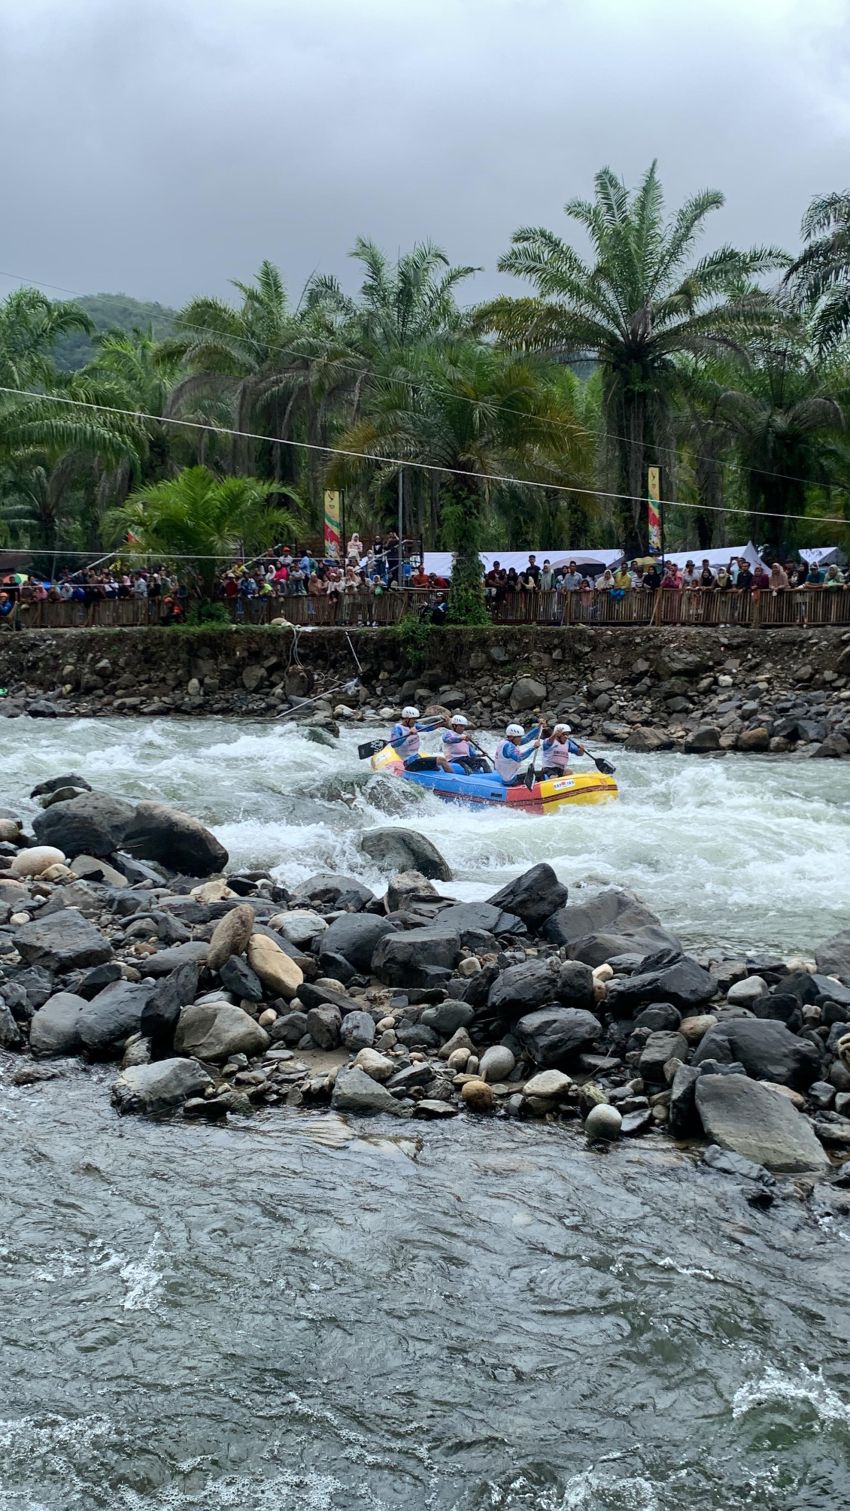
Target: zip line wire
[
  {"x": 365, "y": 372},
  {"x": 395, "y": 461}
]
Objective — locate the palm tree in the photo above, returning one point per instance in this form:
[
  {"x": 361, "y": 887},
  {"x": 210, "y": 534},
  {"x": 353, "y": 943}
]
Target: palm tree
[
  {"x": 640, "y": 303},
  {"x": 202, "y": 517},
  {"x": 476, "y": 417},
  {"x": 786, "y": 415},
  {"x": 820, "y": 276}
]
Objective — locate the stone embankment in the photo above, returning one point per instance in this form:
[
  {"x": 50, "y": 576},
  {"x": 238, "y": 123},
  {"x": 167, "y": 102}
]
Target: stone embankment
[
  {"x": 702, "y": 690},
  {"x": 124, "y": 939}
]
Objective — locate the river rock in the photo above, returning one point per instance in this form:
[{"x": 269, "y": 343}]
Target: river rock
[
  {"x": 301, "y": 927},
  {"x": 766, "y": 1049},
  {"x": 660, "y": 1017},
  {"x": 683, "y": 1119},
  {"x": 279, "y": 974},
  {"x": 833, "y": 956},
  {"x": 695, "y": 1028},
  {"x": 612, "y": 922},
  {"x": 408, "y": 887},
  {"x": 576, "y": 986},
  {"x": 603, "y": 1122},
  {"x": 334, "y": 891},
  {"x": 290, "y": 1028},
  {"x": 477, "y": 1095},
  {"x": 706, "y": 737},
  {"x": 89, "y": 868},
  {"x": 521, "y": 988},
  {"x": 434, "y": 1107},
  {"x": 745, "y": 993},
  {"x": 55, "y": 1028},
  {"x": 375, "y": 1065},
  {"x": 534, "y": 896},
  {"x": 407, "y": 959},
  {"x": 163, "y": 962},
  {"x": 162, "y": 1009},
  {"x": 112, "y": 1016},
  {"x": 230, "y": 936},
  {"x": 324, "y": 1024},
  {"x": 236, "y": 976},
  {"x": 405, "y": 850},
  {"x": 447, "y": 1017},
  {"x": 10, "y": 1034},
  {"x": 497, "y": 1063},
  {"x": 35, "y": 861},
  {"x": 159, "y": 1088},
  {"x": 354, "y": 936},
  {"x": 357, "y": 1031},
  {"x": 751, "y": 1120},
  {"x": 62, "y": 942},
  {"x": 526, "y": 693},
  {"x": 553, "y": 1036},
  {"x": 682, "y": 983},
  {"x": 355, "y": 1091},
  {"x": 474, "y": 919},
  {"x": 173, "y": 839},
  {"x": 647, "y": 740},
  {"x": 658, "y": 1049},
  {"x": 216, "y": 1030},
  {"x": 548, "y": 1085},
  {"x": 92, "y": 824}
]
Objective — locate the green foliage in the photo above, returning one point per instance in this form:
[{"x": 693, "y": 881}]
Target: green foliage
[
  {"x": 74, "y": 349},
  {"x": 415, "y": 637},
  {"x": 203, "y": 613}
]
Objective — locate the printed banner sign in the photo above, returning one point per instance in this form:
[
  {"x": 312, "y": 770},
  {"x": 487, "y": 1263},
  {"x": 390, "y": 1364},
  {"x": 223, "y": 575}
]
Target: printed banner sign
[
  {"x": 333, "y": 511},
  {"x": 653, "y": 508}
]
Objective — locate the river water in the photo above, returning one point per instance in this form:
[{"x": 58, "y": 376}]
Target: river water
[{"x": 300, "y": 1314}]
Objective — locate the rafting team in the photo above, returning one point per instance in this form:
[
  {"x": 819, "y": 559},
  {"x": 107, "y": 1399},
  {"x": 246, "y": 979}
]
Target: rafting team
[{"x": 459, "y": 750}]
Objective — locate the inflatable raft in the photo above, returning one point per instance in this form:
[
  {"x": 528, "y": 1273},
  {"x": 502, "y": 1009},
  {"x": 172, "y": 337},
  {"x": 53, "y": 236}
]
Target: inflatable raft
[{"x": 482, "y": 788}]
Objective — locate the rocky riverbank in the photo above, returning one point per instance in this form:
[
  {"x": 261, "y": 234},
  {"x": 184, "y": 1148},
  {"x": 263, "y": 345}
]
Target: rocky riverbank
[
  {"x": 705, "y": 691},
  {"x": 123, "y": 938}
]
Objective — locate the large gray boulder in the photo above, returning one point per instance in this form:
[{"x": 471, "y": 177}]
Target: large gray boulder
[
  {"x": 553, "y": 1036},
  {"x": 682, "y": 982},
  {"x": 159, "y": 1088},
  {"x": 334, "y": 891},
  {"x": 534, "y": 896},
  {"x": 408, "y": 959},
  {"x": 55, "y": 1028},
  {"x": 472, "y": 919},
  {"x": 92, "y": 824},
  {"x": 174, "y": 839},
  {"x": 162, "y": 1009},
  {"x": 354, "y": 936},
  {"x": 405, "y": 850},
  {"x": 523, "y": 987},
  {"x": 767, "y": 1050},
  {"x": 230, "y": 935},
  {"x": 750, "y": 1119},
  {"x": 109, "y": 1018},
  {"x": 612, "y": 922},
  {"x": 526, "y": 693},
  {"x": 833, "y": 956},
  {"x": 62, "y": 942},
  {"x": 660, "y": 1047},
  {"x": 216, "y": 1030},
  {"x": 355, "y": 1091}
]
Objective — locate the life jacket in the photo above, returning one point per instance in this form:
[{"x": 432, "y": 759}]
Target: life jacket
[
  {"x": 456, "y": 745},
  {"x": 507, "y": 760},
  {"x": 404, "y": 741},
  {"x": 558, "y": 754}
]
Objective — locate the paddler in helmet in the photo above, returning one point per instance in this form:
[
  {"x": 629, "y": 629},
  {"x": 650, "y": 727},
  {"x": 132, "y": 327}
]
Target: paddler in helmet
[
  {"x": 457, "y": 745},
  {"x": 404, "y": 739},
  {"x": 511, "y": 751},
  {"x": 557, "y": 749}
]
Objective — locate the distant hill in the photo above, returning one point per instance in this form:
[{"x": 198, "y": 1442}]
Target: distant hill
[{"x": 110, "y": 312}]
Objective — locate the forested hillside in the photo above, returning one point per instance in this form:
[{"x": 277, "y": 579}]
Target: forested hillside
[{"x": 74, "y": 349}]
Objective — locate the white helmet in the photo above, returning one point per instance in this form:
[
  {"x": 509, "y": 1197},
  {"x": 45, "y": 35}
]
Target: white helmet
[
  {"x": 410, "y": 712},
  {"x": 562, "y": 729},
  {"x": 459, "y": 719},
  {"x": 514, "y": 731}
]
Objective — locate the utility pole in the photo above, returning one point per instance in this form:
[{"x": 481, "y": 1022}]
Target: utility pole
[{"x": 401, "y": 527}]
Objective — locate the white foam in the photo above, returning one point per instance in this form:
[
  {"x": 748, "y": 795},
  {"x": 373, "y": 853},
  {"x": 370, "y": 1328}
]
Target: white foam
[{"x": 808, "y": 1388}]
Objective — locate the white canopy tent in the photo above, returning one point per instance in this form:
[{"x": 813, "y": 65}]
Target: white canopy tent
[
  {"x": 440, "y": 562},
  {"x": 718, "y": 557},
  {"x": 821, "y": 556}
]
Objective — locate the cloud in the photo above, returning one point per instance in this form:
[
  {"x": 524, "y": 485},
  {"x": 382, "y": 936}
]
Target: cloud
[{"x": 163, "y": 149}]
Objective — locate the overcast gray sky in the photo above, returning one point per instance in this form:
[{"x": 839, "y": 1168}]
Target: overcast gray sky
[{"x": 161, "y": 147}]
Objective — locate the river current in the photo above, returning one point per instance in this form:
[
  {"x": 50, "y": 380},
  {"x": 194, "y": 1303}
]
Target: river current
[{"x": 302, "y": 1314}]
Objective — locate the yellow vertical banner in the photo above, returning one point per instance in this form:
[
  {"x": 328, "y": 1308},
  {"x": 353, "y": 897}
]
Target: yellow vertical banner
[
  {"x": 333, "y": 513},
  {"x": 653, "y": 507}
]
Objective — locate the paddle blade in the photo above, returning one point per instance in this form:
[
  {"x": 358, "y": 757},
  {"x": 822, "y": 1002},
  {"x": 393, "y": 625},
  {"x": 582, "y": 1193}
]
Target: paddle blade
[
  {"x": 604, "y": 766},
  {"x": 370, "y": 748},
  {"x": 530, "y": 777}
]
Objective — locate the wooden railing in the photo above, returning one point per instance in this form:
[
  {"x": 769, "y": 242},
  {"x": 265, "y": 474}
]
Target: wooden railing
[{"x": 707, "y": 608}]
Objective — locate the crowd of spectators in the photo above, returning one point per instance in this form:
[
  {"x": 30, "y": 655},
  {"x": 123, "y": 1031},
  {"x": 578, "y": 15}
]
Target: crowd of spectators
[
  {"x": 649, "y": 575},
  {"x": 284, "y": 573}
]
